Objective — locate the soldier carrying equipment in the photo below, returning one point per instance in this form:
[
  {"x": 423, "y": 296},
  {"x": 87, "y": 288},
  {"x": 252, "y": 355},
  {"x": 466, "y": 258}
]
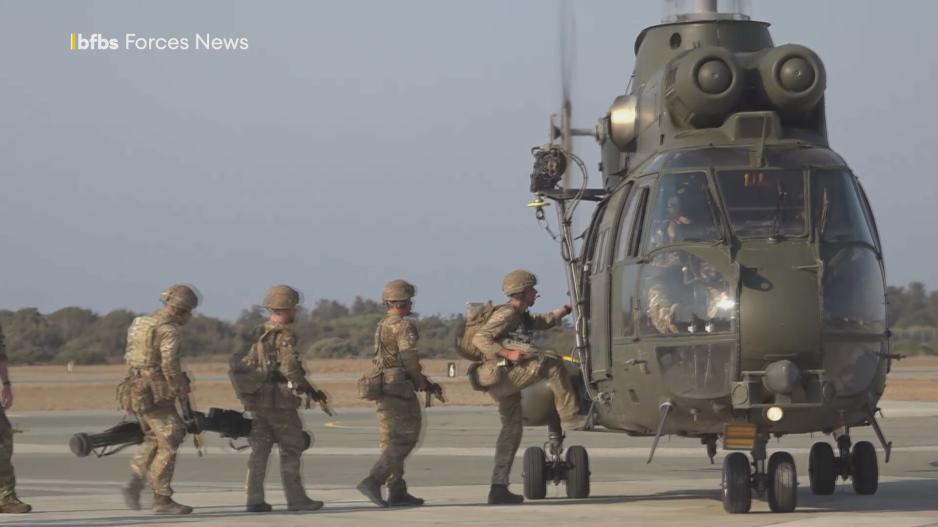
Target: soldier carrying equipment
[
  {"x": 392, "y": 385},
  {"x": 508, "y": 367},
  {"x": 153, "y": 384},
  {"x": 269, "y": 378}
]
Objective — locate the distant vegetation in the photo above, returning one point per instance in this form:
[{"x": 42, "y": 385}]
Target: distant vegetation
[
  {"x": 329, "y": 329},
  {"x": 913, "y": 317},
  {"x": 333, "y": 329}
]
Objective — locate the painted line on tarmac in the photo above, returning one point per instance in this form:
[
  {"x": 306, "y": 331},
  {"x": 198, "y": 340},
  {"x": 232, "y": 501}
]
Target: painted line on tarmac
[{"x": 601, "y": 452}]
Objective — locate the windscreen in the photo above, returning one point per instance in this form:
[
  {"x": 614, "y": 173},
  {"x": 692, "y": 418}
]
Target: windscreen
[
  {"x": 837, "y": 209},
  {"x": 764, "y": 203},
  {"x": 683, "y": 211}
]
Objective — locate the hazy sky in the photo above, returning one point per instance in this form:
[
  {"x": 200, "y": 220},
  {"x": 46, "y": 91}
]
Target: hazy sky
[{"x": 359, "y": 141}]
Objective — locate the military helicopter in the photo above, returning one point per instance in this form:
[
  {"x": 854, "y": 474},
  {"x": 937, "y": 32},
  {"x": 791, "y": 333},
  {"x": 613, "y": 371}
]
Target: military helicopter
[{"x": 730, "y": 284}]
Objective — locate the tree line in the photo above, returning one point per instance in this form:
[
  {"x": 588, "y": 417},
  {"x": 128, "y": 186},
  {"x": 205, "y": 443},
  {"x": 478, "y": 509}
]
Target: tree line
[
  {"x": 333, "y": 329},
  {"x": 329, "y": 329}
]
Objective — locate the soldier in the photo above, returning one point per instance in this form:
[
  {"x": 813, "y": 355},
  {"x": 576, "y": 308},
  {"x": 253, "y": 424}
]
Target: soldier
[
  {"x": 9, "y": 503},
  {"x": 154, "y": 383},
  {"x": 399, "y": 418},
  {"x": 273, "y": 398},
  {"x": 506, "y": 371}
]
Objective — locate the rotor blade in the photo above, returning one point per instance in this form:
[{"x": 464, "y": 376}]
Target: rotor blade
[{"x": 567, "y": 63}]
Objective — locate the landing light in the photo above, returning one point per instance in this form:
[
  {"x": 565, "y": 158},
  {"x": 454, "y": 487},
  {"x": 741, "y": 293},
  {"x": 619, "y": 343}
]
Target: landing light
[{"x": 774, "y": 413}]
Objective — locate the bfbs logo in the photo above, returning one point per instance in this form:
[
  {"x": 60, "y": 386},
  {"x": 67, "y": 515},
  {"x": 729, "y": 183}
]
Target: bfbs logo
[{"x": 93, "y": 41}]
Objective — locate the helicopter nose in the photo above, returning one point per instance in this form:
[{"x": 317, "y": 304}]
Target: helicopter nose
[{"x": 781, "y": 377}]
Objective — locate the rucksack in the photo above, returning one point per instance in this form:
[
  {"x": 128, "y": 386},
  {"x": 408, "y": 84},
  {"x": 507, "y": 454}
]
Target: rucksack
[
  {"x": 248, "y": 368},
  {"x": 477, "y": 314}
]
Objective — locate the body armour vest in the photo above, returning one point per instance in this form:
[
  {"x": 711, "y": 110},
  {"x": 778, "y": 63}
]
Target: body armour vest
[{"x": 141, "y": 343}]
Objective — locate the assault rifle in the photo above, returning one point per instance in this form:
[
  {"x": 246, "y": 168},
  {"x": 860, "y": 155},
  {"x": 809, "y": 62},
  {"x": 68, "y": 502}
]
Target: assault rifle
[
  {"x": 434, "y": 390},
  {"x": 313, "y": 395}
]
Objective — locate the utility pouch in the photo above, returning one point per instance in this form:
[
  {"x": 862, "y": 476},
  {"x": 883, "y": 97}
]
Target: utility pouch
[
  {"x": 397, "y": 384},
  {"x": 472, "y": 373},
  {"x": 371, "y": 385},
  {"x": 125, "y": 395}
]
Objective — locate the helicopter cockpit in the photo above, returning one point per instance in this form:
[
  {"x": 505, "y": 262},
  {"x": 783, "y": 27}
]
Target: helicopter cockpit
[{"x": 689, "y": 281}]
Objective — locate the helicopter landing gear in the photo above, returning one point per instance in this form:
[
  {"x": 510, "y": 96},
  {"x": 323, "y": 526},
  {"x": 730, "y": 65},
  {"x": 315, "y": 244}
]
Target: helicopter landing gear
[
  {"x": 549, "y": 464},
  {"x": 864, "y": 467},
  {"x": 737, "y": 487},
  {"x": 776, "y": 480},
  {"x": 858, "y": 463},
  {"x": 822, "y": 469}
]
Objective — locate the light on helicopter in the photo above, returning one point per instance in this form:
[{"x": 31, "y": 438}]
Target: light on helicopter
[{"x": 774, "y": 413}]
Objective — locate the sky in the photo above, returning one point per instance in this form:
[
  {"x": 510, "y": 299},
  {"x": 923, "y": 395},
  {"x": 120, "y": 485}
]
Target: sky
[{"x": 359, "y": 141}]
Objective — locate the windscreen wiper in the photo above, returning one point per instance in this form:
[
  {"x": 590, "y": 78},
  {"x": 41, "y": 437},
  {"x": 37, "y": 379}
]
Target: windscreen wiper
[
  {"x": 825, "y": 214},
  {"x": 777, "y": 222}
]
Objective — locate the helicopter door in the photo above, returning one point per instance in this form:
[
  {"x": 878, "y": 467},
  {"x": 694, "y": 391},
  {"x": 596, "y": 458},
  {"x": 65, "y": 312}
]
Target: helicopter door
[
  {"x": 625, "y": 269},
  {"x": 599, "y": 335}
]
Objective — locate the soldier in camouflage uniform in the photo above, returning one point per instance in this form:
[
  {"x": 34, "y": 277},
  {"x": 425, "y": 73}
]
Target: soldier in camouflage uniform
[
  {"x": 268, "y": 378},
  {"x": 506, "y": 371},
  {"x": 9, "y": 503},
  {"x": 399, "y": 414},
  {"x": 154, "y": 382}
]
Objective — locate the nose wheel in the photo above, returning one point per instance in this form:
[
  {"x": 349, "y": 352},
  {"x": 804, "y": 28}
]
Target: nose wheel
[
  {"x": 776, "y": 481},
  {"x": 550, "y": 464}
]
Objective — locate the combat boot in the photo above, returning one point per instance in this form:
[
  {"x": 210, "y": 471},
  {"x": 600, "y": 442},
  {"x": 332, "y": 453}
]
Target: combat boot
[
  {"x": 371, "y": 488},
  {"x": 259, "y": 507},
  {"x": 166, "y": 505},
  {"x": 13, "y": 505},
  {"x": 399, "y": 497},
  {"x": 307, "y": 505},
  {"x": 500, "y": 495},
  {"x": 132, "y": 492}
]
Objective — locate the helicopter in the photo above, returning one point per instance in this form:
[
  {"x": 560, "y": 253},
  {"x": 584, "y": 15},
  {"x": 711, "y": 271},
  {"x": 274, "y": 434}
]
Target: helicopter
[{"x": 730, "y": 284}]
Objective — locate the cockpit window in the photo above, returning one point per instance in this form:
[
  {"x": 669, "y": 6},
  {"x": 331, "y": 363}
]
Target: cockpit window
[
  {"x": 837, "y": 210},
  {"x": 764, "y": 202},
  {"x": 683, "y": 211}
]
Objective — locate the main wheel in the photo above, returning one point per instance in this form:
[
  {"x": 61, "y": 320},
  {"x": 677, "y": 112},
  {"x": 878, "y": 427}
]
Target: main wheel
[
  {"x": 737, "y": 487},
  {"x": 783, "y": 483},
  {"x": 821, "y": 469},
  {"x": 578, "y": 473},
  {"x": 535, "y": 473},
  {"x": 865, "y": 468}
]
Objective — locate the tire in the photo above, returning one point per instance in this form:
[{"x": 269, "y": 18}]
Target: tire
[
  {"x": 534, "y": 474},
  {"x": 865, "y": 468},
  {"x": 783, "y": 483},
  {"x": 737, "y": 486},
  {"x": 821, "y": 469},
  {"x": 578, "y": 473}
]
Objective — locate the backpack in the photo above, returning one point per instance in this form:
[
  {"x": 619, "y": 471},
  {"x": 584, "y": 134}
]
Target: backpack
[
  {"x": 248, "y": 368},
  {"x": 477, "y": 314}
]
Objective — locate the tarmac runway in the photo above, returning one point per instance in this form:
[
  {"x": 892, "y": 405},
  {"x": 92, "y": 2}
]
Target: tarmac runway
[{"x": 451, "y": 469}]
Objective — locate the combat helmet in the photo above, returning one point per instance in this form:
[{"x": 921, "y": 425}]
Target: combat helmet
[
  {"x": 517, "y": 281},
  {"x": 180, "y": 296},
  {"x": 398, "y": 291},
  {"x": 281, "y": 297}
]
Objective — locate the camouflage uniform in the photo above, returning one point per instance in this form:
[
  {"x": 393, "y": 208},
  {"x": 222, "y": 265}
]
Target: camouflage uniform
[
  {"x": 399, "y": 414},
  {"x": 504, "y": 384},
  {"x": 7, "y": 477},
  {"x": 155, "y": 377},
  {"x": 276, "y": 419}
]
